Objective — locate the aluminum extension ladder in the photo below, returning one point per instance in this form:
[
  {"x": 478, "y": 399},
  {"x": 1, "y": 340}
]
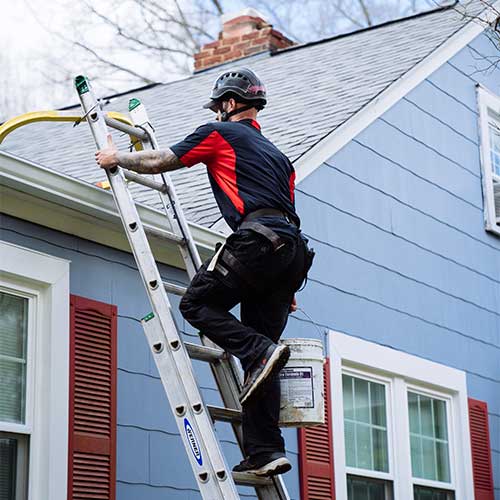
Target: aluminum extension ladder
[{"x": 194, "y": 418}]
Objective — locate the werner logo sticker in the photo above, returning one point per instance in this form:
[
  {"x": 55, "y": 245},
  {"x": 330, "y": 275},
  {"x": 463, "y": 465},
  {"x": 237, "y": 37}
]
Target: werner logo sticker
[{"x": 193, "y": 442}]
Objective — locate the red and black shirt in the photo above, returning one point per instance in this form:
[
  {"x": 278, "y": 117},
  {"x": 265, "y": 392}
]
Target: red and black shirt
[{"x": 247, "y": 171}]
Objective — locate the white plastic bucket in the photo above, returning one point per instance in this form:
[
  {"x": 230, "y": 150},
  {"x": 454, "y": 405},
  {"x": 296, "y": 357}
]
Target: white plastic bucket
[{"x": 302, "y": 398}]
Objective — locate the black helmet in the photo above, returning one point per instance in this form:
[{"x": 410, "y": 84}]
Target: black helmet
[{"x": 242, "y": 84}]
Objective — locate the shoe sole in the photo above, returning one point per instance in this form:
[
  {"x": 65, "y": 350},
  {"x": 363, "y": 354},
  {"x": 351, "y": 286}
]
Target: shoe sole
[
  {"x": 277, "y": 361},
  {"x": 278, "y": 466}
]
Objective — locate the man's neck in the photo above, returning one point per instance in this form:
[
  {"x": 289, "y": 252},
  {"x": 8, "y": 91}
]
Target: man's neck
[{"x": 249, "y": 114}]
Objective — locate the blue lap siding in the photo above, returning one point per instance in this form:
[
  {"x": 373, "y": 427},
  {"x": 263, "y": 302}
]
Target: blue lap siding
[{"x": 396, "y": 218}]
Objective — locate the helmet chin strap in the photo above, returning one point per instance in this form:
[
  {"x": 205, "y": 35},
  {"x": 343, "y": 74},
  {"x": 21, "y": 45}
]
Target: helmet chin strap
[{"x": 224, "y": 115}]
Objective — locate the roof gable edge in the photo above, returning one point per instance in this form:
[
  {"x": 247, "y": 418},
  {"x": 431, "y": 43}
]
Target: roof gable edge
[{"x": 326, "y": 147}]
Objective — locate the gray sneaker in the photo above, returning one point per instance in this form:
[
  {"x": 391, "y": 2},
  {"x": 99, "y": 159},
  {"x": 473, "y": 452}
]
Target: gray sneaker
[{"x": 271, "y": 362}]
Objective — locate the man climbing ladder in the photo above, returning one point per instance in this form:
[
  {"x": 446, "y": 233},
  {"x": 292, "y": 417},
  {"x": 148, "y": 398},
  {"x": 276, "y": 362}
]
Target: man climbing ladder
[{"x": 263, "y": 262}]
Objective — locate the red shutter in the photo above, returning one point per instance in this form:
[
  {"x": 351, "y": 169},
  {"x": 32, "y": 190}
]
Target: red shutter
[
  {"x": 316, "y": 454},
  {"x": 92, "y": 401},
  {"x": 481, "y": 453}
]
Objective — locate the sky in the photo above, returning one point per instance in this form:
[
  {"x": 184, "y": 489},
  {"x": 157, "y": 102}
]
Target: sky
[
  {"x": 21, "y": 32},
  {"x": 26, "y": 64},
  {"x": 26, "y": 40}
]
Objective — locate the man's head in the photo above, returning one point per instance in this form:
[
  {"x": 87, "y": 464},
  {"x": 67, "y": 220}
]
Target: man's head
[{"x": 237, "y": 92}]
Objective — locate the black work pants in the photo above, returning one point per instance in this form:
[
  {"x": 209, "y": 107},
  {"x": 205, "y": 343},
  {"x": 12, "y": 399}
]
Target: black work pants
[{"x": 263, "y": 283}]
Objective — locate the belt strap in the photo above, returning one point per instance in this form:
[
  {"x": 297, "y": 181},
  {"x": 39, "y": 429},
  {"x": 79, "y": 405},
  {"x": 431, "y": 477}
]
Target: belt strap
[
  {"x": 264, "y": 231},
  {"x": 262, "y": 212}
]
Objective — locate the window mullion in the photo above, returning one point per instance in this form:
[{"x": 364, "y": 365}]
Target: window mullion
[
  {"x": 370, "y": 425},
  {"x": 355, "y": 425},
  {"x": 401, "y": 446},
  {"x": 434, "y": 442}
]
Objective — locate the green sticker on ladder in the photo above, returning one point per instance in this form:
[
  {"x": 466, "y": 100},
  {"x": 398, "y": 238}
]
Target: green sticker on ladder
[
  {"x": 81, "y": 84},
  {"x": 149, "y": 316},
  {"x": 133, "y": 103}
]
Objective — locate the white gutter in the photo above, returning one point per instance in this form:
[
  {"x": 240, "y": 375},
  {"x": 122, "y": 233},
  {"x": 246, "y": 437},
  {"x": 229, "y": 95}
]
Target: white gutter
[{"x": 41, "y": 182}]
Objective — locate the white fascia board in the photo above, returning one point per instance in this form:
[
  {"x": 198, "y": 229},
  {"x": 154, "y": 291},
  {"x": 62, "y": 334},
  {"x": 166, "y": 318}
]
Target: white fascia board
[
  {"x": 47, "y": 184},
  {"x": 327, "y": 147}
]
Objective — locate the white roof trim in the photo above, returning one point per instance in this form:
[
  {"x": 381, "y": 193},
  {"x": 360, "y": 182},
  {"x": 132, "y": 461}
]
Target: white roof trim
[
  {"x": 47, "y": 184},
  {"x": 327, "y": 147}
]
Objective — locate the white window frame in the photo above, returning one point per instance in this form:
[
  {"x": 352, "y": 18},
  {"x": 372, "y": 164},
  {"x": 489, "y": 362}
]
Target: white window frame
[
  {"x": 44, "y": 280},
  {"x": 403, "y": 372},
  {"x": 487, "y": 100}
]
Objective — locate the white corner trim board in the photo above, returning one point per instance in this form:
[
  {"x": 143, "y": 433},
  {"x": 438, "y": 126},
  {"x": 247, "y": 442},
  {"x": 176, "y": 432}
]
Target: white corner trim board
[
  {"x": 327, "y": 147},
  {"x": 402, "y": 372},
  {"x": 43, "y": 279}
]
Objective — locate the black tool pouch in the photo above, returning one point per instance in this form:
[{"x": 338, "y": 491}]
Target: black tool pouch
[
  {"x": 309, "y": 259},
  {"x": 309, "y": 254}
]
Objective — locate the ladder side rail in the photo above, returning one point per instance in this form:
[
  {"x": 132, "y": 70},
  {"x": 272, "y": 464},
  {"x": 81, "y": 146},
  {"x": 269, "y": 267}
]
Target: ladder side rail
[
  {"x": 221, "y": 486},
  {"x": 171, "y": 202}
]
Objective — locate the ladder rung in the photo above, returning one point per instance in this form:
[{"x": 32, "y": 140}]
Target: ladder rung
[
  {"x": 164, "y": 235},
  {"x": 175, "y": 289},
  {"x": 204, "y": 353},
  {"x": 145, "y": 181},
  {"x": 245, "y": 479},
  {"x": 224, "y": 414},
  {"x": 128, "y": 129}
]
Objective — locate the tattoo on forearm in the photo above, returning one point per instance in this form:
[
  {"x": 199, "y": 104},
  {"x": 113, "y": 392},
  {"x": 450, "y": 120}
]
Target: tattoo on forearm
[{"x": 149, "y": 162}]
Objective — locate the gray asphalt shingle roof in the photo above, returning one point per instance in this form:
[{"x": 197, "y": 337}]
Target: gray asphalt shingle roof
[{"x": 312, "y": 90}]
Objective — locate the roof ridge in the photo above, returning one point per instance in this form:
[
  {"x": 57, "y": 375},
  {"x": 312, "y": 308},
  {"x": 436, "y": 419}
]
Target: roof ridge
[{"x": 444, "y": 6}]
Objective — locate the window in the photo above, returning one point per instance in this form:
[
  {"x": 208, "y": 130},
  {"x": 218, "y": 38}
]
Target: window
[
  {"x": 366, "y": 438},
  {"x": 13, "y": 466},
  {"x": 13, "y": 393},
  {"x": 365, "y": 424},
  {"x": 489, "y": 120},
  {"x": 494, "y": 133},
  {"x": 401, "y": 431},
  {"x": 13, "y": 349},
  {"x": 361, "y": 488},
  {"x": 34, "y": 356},
  {"x": 428, "y": 438}
]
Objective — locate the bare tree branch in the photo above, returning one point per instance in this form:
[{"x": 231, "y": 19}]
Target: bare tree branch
[
  {"x": 112, "y": 64},
  {"x": 365, "y": 12},
  {"x": 218, "y": 6}
]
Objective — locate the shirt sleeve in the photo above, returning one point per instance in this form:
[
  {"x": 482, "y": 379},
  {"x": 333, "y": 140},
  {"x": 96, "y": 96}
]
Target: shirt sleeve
[{"x": 197, "y": 147}]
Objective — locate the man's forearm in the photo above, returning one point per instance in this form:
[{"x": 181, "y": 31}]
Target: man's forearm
[{"x": 149, "y": 162}]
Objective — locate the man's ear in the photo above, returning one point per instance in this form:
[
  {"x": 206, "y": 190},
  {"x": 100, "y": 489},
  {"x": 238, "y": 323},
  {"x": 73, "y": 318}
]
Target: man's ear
[{"x": 232, "y": 104}]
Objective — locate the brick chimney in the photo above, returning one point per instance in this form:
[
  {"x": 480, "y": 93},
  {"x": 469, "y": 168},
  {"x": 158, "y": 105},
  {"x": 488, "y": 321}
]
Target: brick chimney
[{"x": 243, "y": 34}]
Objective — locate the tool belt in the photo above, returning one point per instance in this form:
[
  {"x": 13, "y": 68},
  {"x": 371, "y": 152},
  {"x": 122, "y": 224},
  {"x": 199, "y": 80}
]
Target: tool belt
[
  {"x": 224, "y": 256},
  {"x": 248, "y": 223}
]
